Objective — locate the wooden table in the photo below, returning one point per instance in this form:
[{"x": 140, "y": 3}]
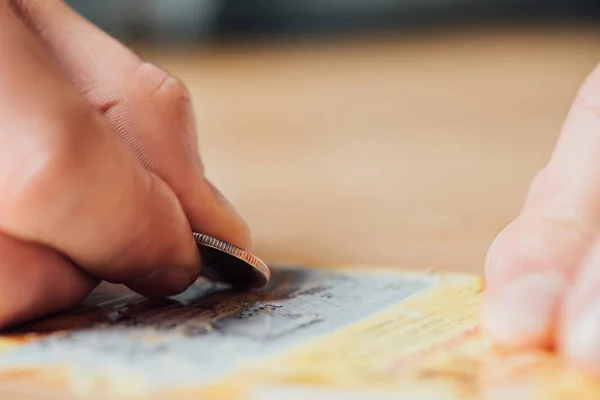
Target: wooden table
[{"x": 411, "y": 151}]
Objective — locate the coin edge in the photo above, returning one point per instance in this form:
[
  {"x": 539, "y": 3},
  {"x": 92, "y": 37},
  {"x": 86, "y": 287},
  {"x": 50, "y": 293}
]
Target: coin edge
[{"x": 234, "y": 251}]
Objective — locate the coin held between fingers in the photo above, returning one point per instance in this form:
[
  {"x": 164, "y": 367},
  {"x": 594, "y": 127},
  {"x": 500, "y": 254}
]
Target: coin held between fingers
[{"x": 226, "y": 263}]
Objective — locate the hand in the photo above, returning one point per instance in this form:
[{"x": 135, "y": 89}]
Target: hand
[
  {"x": 100, "y": 178},
  {"x": 543, "y": 270}
]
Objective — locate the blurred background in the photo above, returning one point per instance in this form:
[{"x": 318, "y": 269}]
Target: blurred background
[{"x": 384, "y": 132}]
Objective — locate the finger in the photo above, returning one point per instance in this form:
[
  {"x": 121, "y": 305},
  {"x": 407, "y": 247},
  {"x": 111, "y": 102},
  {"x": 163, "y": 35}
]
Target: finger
[
  {"x": 533, "y": 261},
  {"x": 580, "y": 326},
  {"x": 36, "y": 281},
  {"x": 148, "y": 108},
  {"x": 69, "y": 183}
]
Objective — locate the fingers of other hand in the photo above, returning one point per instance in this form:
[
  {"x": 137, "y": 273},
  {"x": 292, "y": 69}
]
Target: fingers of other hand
[
  {"x": 579, "y": 334},
  {"x": 541, "y": 275},
  {"x": 150, "y": 110},
  {"x": 69, "y": 183}
]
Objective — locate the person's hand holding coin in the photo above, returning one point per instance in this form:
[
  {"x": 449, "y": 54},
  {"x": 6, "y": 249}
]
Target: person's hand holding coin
[
  {"x": 543, "y": 270},
  {"x": 100, "y": 178}
]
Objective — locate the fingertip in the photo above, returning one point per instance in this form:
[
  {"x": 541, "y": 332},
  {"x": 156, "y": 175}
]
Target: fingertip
[
  {"x": 155, "y": 253},
  {"x": 580, "y": 324},
  {"x": 525, "y": 283},
  {"x": 165, "y": 281},
  {"x": 175, "y": 260},
  {"x": 498, "y": 246},
  {"x": 580, "y": 339},
  {"x": 217, "y": 217},
  {"x": 523, "y": 313}
]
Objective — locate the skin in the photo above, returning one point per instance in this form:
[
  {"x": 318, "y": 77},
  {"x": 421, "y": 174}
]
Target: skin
[
  {"x": 543, "y": 270},
  {"x": 100, "y": 177}
]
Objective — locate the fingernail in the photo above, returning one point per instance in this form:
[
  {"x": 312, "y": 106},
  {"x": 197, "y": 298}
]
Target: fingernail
[
  {"x": 241, "y": 236},
  {"x": 582, "y": 342},
  {"x": 523, "y": 313},
  {"x": 221, "y": 198}
]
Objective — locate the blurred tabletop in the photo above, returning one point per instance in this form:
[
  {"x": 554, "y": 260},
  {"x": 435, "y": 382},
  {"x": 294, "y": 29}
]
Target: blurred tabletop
[{"x": 410, "y": 151}]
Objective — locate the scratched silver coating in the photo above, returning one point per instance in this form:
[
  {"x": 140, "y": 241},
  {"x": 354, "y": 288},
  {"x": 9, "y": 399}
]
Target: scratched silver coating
[
  {"x": 226, "y": 263},
  {"x": 205, "y": 333}
]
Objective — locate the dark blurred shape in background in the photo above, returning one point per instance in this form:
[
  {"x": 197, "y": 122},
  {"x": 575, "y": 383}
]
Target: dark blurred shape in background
[{"x": 190, "y": 21}]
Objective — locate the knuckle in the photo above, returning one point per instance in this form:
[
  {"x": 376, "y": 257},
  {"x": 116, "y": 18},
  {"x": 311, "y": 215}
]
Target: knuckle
[
  {"x": 551, "y": 240},
  {"x": 160, "y": 86},
  {"x": 569, "y": 229},
  {"x": 535, "y": 243}
]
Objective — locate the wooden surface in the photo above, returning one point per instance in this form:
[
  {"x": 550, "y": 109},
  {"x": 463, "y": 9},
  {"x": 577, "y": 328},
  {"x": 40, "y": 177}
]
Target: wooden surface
[{"x": 412, "y": 151}]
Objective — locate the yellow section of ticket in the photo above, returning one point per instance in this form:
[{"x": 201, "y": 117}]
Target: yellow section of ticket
[{"x": 426, "y": 347}]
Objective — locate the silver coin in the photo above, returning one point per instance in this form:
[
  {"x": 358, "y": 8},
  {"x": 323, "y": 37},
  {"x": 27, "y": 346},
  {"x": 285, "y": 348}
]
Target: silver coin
[{"x": 226, "y": 263}]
